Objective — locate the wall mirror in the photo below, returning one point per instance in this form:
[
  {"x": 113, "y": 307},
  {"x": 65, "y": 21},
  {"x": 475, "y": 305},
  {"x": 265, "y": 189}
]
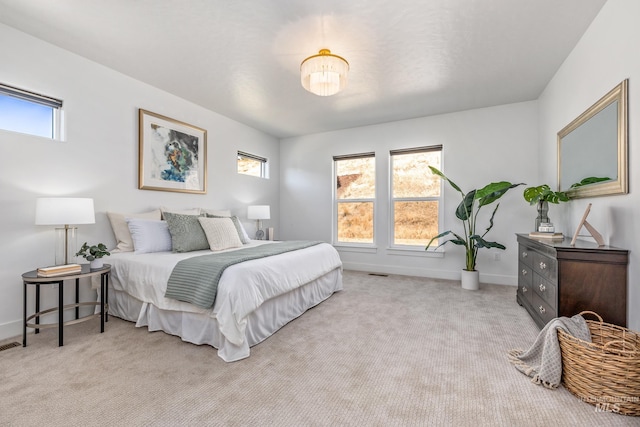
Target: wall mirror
[{"x": 592, "y": 149}]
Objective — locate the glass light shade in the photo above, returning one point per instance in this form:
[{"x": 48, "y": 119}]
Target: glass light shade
[
  {"x": 324, "y": 74},
  {"x": 258, "y": 212}
]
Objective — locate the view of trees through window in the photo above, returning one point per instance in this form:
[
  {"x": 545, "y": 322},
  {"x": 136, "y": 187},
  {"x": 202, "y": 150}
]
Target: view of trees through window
[
  {"x": 251, "y": 165},
  {"x": 415, "y": 197},
  {"x": 355, "y": 191},
  {"x": 415, "y": 193}
]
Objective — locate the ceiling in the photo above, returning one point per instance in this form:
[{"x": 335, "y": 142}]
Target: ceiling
[{"x": 408, "y": 58}]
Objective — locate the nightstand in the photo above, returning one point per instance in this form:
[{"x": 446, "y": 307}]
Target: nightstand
[{"x": 31, "y": 279}]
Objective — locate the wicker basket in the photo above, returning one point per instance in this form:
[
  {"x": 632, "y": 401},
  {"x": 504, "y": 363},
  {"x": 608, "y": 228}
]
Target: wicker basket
[{"x": 606, "y": 371}]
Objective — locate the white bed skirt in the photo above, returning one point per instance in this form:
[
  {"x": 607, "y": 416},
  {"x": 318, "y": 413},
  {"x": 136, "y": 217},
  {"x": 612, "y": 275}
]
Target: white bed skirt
[{"x": 201, "y": 328}]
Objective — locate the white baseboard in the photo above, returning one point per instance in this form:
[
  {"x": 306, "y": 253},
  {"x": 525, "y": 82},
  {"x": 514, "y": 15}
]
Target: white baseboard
[
  {"x": 495, "y": 279},
  {"x": 11, "y": 330}
]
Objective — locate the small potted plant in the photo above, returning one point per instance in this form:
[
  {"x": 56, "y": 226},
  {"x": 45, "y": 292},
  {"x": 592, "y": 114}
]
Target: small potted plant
[
  {"x": 94, "y": 254},
  {"x": 542, "y": 196}
]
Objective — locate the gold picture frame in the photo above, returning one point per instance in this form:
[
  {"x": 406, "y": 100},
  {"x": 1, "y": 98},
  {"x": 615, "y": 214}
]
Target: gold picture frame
[
  {"x": 593, "y": 148},
  {"x": 172, "y": 155}
]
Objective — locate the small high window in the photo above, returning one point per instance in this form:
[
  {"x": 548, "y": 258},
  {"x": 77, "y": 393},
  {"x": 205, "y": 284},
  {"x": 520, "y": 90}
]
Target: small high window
[
  {"x": 28, "y": 112},
  {"x": 250, "y": 164}
]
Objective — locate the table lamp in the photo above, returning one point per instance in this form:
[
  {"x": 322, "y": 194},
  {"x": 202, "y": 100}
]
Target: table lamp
[
  {"x": 259, "y": 212},
  {"x": 64, "y": 211}
]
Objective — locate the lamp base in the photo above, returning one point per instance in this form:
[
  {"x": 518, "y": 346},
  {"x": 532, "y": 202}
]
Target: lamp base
[
  {"x": 259, "y": 231},
  {"x": 66, "y": 245}
]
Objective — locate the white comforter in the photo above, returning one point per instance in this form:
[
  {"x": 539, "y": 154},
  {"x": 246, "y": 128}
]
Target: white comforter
[{"x": 242, "y": 288}]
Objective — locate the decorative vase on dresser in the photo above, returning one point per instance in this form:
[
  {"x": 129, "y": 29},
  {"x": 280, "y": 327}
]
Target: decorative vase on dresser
[{"x": 556, "y": 279}]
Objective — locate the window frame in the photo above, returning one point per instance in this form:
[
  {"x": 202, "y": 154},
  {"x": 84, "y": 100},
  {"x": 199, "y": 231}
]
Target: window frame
[
  {"x": 337, "y": 201},
  {"x": 264, "y": 170},
  {"x": 392, "y": 199},
  {"x": 43, "y": 100}
]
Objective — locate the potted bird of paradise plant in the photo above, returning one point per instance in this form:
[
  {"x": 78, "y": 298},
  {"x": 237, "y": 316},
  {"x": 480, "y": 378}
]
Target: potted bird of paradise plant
[{"x": 467, "y": 212}]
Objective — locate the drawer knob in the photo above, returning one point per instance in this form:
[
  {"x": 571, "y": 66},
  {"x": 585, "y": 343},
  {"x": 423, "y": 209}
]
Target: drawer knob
[
  {"x": 542, "y": 287},
  {"x": 524, "y": 272},
  {"x": 542, "y": 310},
  {"x": 524, "y": 289},
  {"x": 525, "y": 254},
  {"x": 542, "y": 265}
]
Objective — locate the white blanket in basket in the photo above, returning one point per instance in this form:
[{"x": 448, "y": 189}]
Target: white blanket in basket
[{"x": 543, "y": 361}]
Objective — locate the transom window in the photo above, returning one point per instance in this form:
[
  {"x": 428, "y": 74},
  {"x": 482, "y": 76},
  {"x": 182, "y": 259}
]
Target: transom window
[
  {"x": 28, "y": 112},
  {"x": 250, "y": 164},
  {"x": 415, "y": 195},
  {"x": 355, "y": 192}
]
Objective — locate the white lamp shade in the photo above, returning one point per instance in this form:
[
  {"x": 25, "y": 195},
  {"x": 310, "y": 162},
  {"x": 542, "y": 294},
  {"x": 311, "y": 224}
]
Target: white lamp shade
[
  {"x": 258, "y": 212},
  {"x": 64, "y": 210}
]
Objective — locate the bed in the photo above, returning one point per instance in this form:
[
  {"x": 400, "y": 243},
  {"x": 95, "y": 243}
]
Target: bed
[{"x": 254, "y": 299}]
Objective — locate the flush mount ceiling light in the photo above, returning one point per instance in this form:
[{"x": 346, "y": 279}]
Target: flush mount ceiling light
[{"x": 324, "y": 74}]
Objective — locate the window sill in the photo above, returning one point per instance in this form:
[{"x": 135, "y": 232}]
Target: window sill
[
  {"x": 419, "y": 252},
  {"x": 342, "y": 247}
]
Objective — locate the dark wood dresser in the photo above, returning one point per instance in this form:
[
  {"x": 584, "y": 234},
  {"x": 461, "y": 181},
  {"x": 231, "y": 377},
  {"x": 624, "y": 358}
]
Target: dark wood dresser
[{"x": 556, "y": 279}]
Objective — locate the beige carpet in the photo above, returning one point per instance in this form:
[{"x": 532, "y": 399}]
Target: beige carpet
[{"x": 396, "y": 351}]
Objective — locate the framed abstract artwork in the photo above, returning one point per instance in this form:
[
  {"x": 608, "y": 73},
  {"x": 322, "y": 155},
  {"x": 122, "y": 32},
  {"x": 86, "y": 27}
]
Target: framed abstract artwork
[{"x": 172, "y": 155}]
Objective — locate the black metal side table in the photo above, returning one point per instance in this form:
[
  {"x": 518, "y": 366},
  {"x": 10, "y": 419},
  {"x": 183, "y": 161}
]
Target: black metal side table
[{"x": 31, "y": 278}]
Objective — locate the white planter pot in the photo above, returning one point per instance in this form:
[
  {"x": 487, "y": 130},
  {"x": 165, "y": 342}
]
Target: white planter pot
[
  {"x": 96, "y": 263},
  {"x": 470, "y": 280}
]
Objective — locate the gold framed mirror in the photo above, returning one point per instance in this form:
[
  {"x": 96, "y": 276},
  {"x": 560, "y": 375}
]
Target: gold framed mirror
[{"x": 592, "y": 149}]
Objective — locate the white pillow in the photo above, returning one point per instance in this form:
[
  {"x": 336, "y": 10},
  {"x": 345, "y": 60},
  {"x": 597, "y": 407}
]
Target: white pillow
[
  {"x": 244, "y": 233},
  {"x": 221, "y": 233},
  {"x": 216, "y": 212},
  {"x": 149, "y": 235},
  {"x": 124, "y": 243},
  {"x": 193, "y": 211}
]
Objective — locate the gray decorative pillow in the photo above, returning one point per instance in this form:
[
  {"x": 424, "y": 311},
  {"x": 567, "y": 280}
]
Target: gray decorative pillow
[
  {"x": 236, "y": 222},
  {"x": 186, "y": 232}
]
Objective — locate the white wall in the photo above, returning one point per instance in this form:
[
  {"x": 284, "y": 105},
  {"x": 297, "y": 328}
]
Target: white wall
[
  {"x": 479, "y": 147},
  {"x": 606, "y": 55},
  {"x": 99, "y": 159}
]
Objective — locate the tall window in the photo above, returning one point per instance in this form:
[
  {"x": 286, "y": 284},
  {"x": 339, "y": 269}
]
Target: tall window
[
  {"x": 415, "y": 195},
  {"x": 31, "y": 113},
  {"x": 355, "y": 192},
  {"x": 250, "y": 164}
]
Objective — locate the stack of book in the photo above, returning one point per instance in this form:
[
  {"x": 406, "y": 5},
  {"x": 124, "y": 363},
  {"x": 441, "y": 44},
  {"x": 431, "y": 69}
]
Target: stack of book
[
  {"x": 546, "y": 235},
  {"x": 59, "y": 270}
]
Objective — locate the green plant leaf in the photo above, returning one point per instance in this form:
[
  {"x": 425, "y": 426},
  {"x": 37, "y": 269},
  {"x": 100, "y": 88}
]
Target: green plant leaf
[
  {"x": 481, "y": 243},
  {"x": 441, "y": 175},
  {"x": 544, "y": 193},
  {"x": 590, "y": 180},
  {"x": 465, "y": 208},
  {"x": 491, "y": 220},
  {"x": 492, "y": 192},
  {"x": 457, "y": 241}
]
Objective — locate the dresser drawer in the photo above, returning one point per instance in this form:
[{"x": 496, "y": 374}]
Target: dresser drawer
[
  {"x": 545, "y": 266},
  {"x": 525, "y": 255},
  {"x": 546, "y": 290},
  {"x": 543, "y": 309},
  {"x": 525, "y": 274}
]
